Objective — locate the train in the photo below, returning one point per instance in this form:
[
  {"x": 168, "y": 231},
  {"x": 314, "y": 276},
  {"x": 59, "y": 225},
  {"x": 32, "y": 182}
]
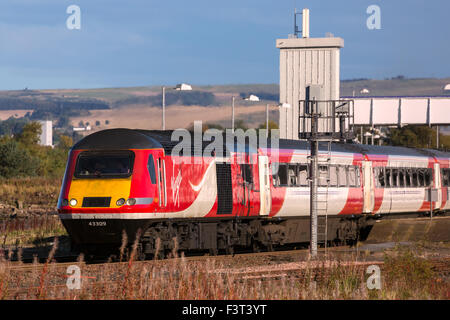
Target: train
[{"x": 127, "y": 186}]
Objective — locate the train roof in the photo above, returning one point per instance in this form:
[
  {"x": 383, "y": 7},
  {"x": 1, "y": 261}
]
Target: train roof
[
  {"x": 149, "y": 139},
  {"x": 116, "y": 139},
  {"x": 363, "y": 149}
]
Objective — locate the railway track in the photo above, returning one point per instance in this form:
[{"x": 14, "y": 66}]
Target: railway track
[{"x": 69, "y": 259}]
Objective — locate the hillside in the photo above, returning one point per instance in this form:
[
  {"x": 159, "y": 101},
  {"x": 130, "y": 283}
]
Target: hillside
[{"x": 140, "y": 107}]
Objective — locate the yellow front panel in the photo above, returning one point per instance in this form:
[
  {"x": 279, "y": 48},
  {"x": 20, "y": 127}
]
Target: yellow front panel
[{"x": 114, "y": 188}]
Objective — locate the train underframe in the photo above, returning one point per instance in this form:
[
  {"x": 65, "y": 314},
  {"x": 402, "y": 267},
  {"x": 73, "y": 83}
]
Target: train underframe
[{"x": 96, "y": 237}]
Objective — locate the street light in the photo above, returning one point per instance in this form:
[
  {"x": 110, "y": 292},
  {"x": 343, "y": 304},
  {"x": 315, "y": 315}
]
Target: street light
[
  {"x": 179, "y": 87},
  {"x": 251, "y": 98},
  {"x": 280, "y": 105}
]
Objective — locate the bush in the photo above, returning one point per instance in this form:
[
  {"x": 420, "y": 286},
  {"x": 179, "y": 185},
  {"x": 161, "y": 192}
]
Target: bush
[{"x": 15, "y": 161}]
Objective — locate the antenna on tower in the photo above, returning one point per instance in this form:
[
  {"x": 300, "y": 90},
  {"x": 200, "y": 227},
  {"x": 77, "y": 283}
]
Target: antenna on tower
[
  {"x": 296, "y": 31},
  {"x": 305, "y": 23}
]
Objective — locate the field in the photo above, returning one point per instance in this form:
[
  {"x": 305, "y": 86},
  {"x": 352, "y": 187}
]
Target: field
[
  {"x": 144, "y": 117},
  {"x": 418, "y": 270}
]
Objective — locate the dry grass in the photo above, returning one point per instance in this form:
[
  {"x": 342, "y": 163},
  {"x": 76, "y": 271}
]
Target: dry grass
[
  {"x": 180, "y": 278},
  {"x": 27, "y": 226},
  {"x": 38, "y": 191},
  {"x": 30, "y": 231}
]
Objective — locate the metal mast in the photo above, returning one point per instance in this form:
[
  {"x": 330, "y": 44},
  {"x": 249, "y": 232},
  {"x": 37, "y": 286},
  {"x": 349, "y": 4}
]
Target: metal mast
[{"x": 319, "y": 119}]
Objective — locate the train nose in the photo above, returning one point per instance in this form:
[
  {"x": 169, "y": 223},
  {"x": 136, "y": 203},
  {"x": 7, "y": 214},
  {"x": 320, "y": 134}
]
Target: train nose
[
  {"x": 98, "y": 231},
  {"x": 100, "y": 193}
]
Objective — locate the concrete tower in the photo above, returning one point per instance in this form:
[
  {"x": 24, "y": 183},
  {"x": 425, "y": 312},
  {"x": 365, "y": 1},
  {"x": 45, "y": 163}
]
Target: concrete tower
[
  {"x": 306, "y": 65},
  {"x": 46, "y": 138}
]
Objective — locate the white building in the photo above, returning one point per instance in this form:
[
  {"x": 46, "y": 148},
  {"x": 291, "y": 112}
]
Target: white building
[{"x": 46, "y": 138}]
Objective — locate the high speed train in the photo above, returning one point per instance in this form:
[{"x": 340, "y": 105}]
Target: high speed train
[{"x": 127, "y": 184}]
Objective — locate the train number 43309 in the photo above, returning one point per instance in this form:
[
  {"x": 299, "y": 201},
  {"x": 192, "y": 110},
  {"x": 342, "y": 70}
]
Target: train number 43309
[{"x": 97, "y": 223}]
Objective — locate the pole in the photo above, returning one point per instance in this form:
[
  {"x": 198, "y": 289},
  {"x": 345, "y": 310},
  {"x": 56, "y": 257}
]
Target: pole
[
  {"x": 362, "y": 137},
  {"x": 314, "y": 184},
  {"x": 164, "y": 108},
  {"x": 267, "y": 121},
  {"x": 437, "y": 137},
  {"x": 232, "y": 114},
  {"x": 372, "y": 135}
]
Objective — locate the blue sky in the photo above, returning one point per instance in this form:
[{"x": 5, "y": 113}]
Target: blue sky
[{"x": 146, "y": 42}]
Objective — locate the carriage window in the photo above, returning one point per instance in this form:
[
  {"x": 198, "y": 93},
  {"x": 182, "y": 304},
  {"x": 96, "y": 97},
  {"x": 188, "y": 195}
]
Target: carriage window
[
  {"x": 283, "y": 174},
  {"x": 445, "y": 177},
  {"x": 427, "y": 175},
  {"x": 358, "y": 176},
  {"x": 394, "y": 173},
  {"x": 151, "y": 169},
  {"x": 388, "y": 177},
  {"x": 323, "y": 176},
  {"x": 415, "y": 178},
  {"x": 333, "y": 176},
  {"x": 342, "y": 176},
  {"x": 293, "y": 175},
  {"x": 408, "y": 178},
  {"x": 401, "y": 177},
  {"x": 275, "y": 179},
  {"x": 303, "y": 175},
  {"x": 351, "y": 176},
  {"x": 421, "y": 178},
  {"x": 381, "y": 178}
]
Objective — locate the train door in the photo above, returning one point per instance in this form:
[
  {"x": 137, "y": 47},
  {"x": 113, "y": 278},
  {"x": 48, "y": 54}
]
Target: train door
[
  {"x": 437, "y": 185},
  {"x": 248, "y": 184},
  {"x": 265, "y": 199},
  {"x": 161, "y": 178},
  {"x": 369, "y": 192}
]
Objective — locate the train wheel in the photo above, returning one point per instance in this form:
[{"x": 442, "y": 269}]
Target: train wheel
[{"x": 256, "y": 247}]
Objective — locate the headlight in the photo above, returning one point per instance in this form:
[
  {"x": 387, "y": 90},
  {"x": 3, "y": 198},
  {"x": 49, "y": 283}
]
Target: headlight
[
  {"x": 120, "y": 202},
  {"x": 131, "y": 202},
  {"x": 73, "y": 202},
  {"x": 65, "y": 203}
]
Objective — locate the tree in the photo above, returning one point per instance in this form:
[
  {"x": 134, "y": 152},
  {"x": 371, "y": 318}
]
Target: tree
[
  {"x": 16, "y": 161},
  {"x": 30, "y": 134},
  {"x": 240, "y": 124},
  {"x": 416, "y": 137},
  {"x": 272, "y": 125},
  {"x": 65, "y": 142}
]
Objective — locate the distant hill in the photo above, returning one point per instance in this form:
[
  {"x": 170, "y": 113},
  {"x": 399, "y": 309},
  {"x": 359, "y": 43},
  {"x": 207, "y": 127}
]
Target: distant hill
[
  {"x": 398, "y": 86},
  {"x": 216, "y": 94},
  {"x": 140, "y": 106}
]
